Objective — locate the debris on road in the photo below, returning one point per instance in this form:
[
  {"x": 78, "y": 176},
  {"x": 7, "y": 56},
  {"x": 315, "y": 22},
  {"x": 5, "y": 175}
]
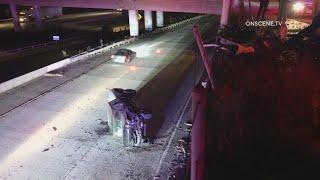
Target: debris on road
[
  {"x": 104, "y": 130},
  {"x": 181, "y": 147},
  {"x": 46, "y": 149}
]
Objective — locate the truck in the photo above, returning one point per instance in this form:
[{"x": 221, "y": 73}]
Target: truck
[{"x": 45, "y": 13}]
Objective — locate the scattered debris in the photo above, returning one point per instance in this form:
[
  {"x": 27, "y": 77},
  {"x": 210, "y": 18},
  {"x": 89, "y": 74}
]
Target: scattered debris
[
  {"x": 105, "y": 123},
  {"x": 189, "y": 123},
  {"x": 188, "y": 129},
  {"x": 181, "y": 147},
  {"x": 103, "y": 130},
  {"x": 46, "y": 149},
  {"x": 54, "y": 128},
  {"x": 88, "y": 132}
]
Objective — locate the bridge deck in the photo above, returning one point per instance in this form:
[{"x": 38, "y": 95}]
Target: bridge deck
[{"x": 191, "y": 6}]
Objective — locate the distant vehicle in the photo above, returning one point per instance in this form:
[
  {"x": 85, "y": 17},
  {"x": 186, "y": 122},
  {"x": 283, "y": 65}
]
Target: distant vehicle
[
  {"x": 123, "y": 56},
  {"x": 45, "y": 13},
  {"x": 24, "y": 17}
]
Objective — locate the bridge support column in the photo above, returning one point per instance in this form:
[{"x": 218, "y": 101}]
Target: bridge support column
[
  {"x": 159, "y": 18},
  {"x": 133, "y": 23},
  {"x": 224, "y": 13},
  {"x": 15, "y": 17},
  {"x": 37, "y": 15},
  {"x": 148, "y": 20}
]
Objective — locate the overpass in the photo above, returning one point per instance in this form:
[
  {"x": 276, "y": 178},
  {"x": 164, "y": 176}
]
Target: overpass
[{"x": 160, "y": 6}]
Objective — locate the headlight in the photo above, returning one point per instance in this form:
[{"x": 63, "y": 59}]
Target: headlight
[
  {"x": 21, "y": 19},
  {"x": 298, "y": 6}
]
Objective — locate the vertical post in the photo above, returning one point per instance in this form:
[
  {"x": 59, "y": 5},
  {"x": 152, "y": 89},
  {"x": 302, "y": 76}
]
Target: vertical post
[
  {"x": 206, "y": 61},
  {"x": 37, "y": 15},
  {"x": 15, "y": 17},
  {"x": 133, "y": 23},
  {"x": 159, "y": 18},
  {"x": 224, "y": 13},
  {"x": 315, "y": 5},
  {"x": 198, "y": 134},
  {"x": 148, "y": 20}
]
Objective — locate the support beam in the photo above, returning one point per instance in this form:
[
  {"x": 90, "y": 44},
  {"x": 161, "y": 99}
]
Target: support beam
[
  {"x": 148, "y": 25},
  {"x": 133, "y": 23},
  {"x": 159, "y": 18},
  {"x": 225, "y": 13},
  {"x": 37, "y": 15},
  {"x": 315, "y": 7},
  {"x": 15, "y": 17},
  {"x": 190, "y": 6}
]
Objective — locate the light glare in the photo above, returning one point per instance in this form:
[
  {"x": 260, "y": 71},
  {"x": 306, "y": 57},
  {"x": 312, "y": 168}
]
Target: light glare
[{"x": 298, "y": 6}]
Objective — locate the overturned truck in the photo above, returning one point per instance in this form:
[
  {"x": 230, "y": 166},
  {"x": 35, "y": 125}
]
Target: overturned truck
[{"x": 126, "y": 119}]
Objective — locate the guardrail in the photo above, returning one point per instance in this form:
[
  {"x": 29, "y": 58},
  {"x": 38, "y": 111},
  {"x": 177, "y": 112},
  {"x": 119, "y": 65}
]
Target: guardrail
[{"x": 10, "y": 84}]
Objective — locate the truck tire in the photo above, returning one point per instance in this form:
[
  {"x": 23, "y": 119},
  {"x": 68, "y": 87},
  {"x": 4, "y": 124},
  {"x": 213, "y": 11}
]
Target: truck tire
[
  {"x": 126, "y": 136},
  {"x": 145, "y": 114}
]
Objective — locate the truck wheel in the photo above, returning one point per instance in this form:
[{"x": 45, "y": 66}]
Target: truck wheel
[{"x": 126, "y": 135}]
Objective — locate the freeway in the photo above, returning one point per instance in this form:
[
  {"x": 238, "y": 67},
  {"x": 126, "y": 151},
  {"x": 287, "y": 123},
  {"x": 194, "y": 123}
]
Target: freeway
[
  {"x": 77, "y": 33},
  {"x": 54, "y": 127},
  {"x": 64, "y": 20},
  {"x": 81, "y": 25}
]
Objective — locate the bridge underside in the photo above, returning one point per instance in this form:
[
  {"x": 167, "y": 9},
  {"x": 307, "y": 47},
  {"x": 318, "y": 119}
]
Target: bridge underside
[{"x": 188, "y": 6}]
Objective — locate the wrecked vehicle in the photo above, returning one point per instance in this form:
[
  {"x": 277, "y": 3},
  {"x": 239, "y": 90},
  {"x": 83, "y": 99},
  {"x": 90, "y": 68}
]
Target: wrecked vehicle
[{"x": 129, "y": 117}]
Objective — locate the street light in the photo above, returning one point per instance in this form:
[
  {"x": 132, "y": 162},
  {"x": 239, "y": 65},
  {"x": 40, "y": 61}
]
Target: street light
[{"x": 298, "y": 6}]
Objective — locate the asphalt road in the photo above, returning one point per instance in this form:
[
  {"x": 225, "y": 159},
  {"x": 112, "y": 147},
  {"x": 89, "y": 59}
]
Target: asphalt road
[
  {"x": 77, "y": 32},
  {"x": 61, "y": 134}
]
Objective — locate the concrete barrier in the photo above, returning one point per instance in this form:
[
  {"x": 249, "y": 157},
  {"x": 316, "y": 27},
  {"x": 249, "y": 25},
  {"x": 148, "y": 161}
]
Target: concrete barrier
[{"x": 5, "y": 86}]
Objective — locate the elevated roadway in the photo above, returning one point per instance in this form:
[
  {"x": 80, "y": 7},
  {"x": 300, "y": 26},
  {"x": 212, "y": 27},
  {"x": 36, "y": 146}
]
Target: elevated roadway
[
  {"x": 54, "y": 127},
  {"x": 191, "y": 6}
]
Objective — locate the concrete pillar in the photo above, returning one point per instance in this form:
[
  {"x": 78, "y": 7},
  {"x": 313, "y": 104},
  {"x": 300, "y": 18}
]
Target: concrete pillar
[
  {"x": 133, "y": 23},
  {"x": 148, "y": 20},
  {"x": 37, "y": 15},
  {"x": 15, "y": 17},
  {"x": 159, "y": 18},
  {"x": 224, "y": 13}
]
